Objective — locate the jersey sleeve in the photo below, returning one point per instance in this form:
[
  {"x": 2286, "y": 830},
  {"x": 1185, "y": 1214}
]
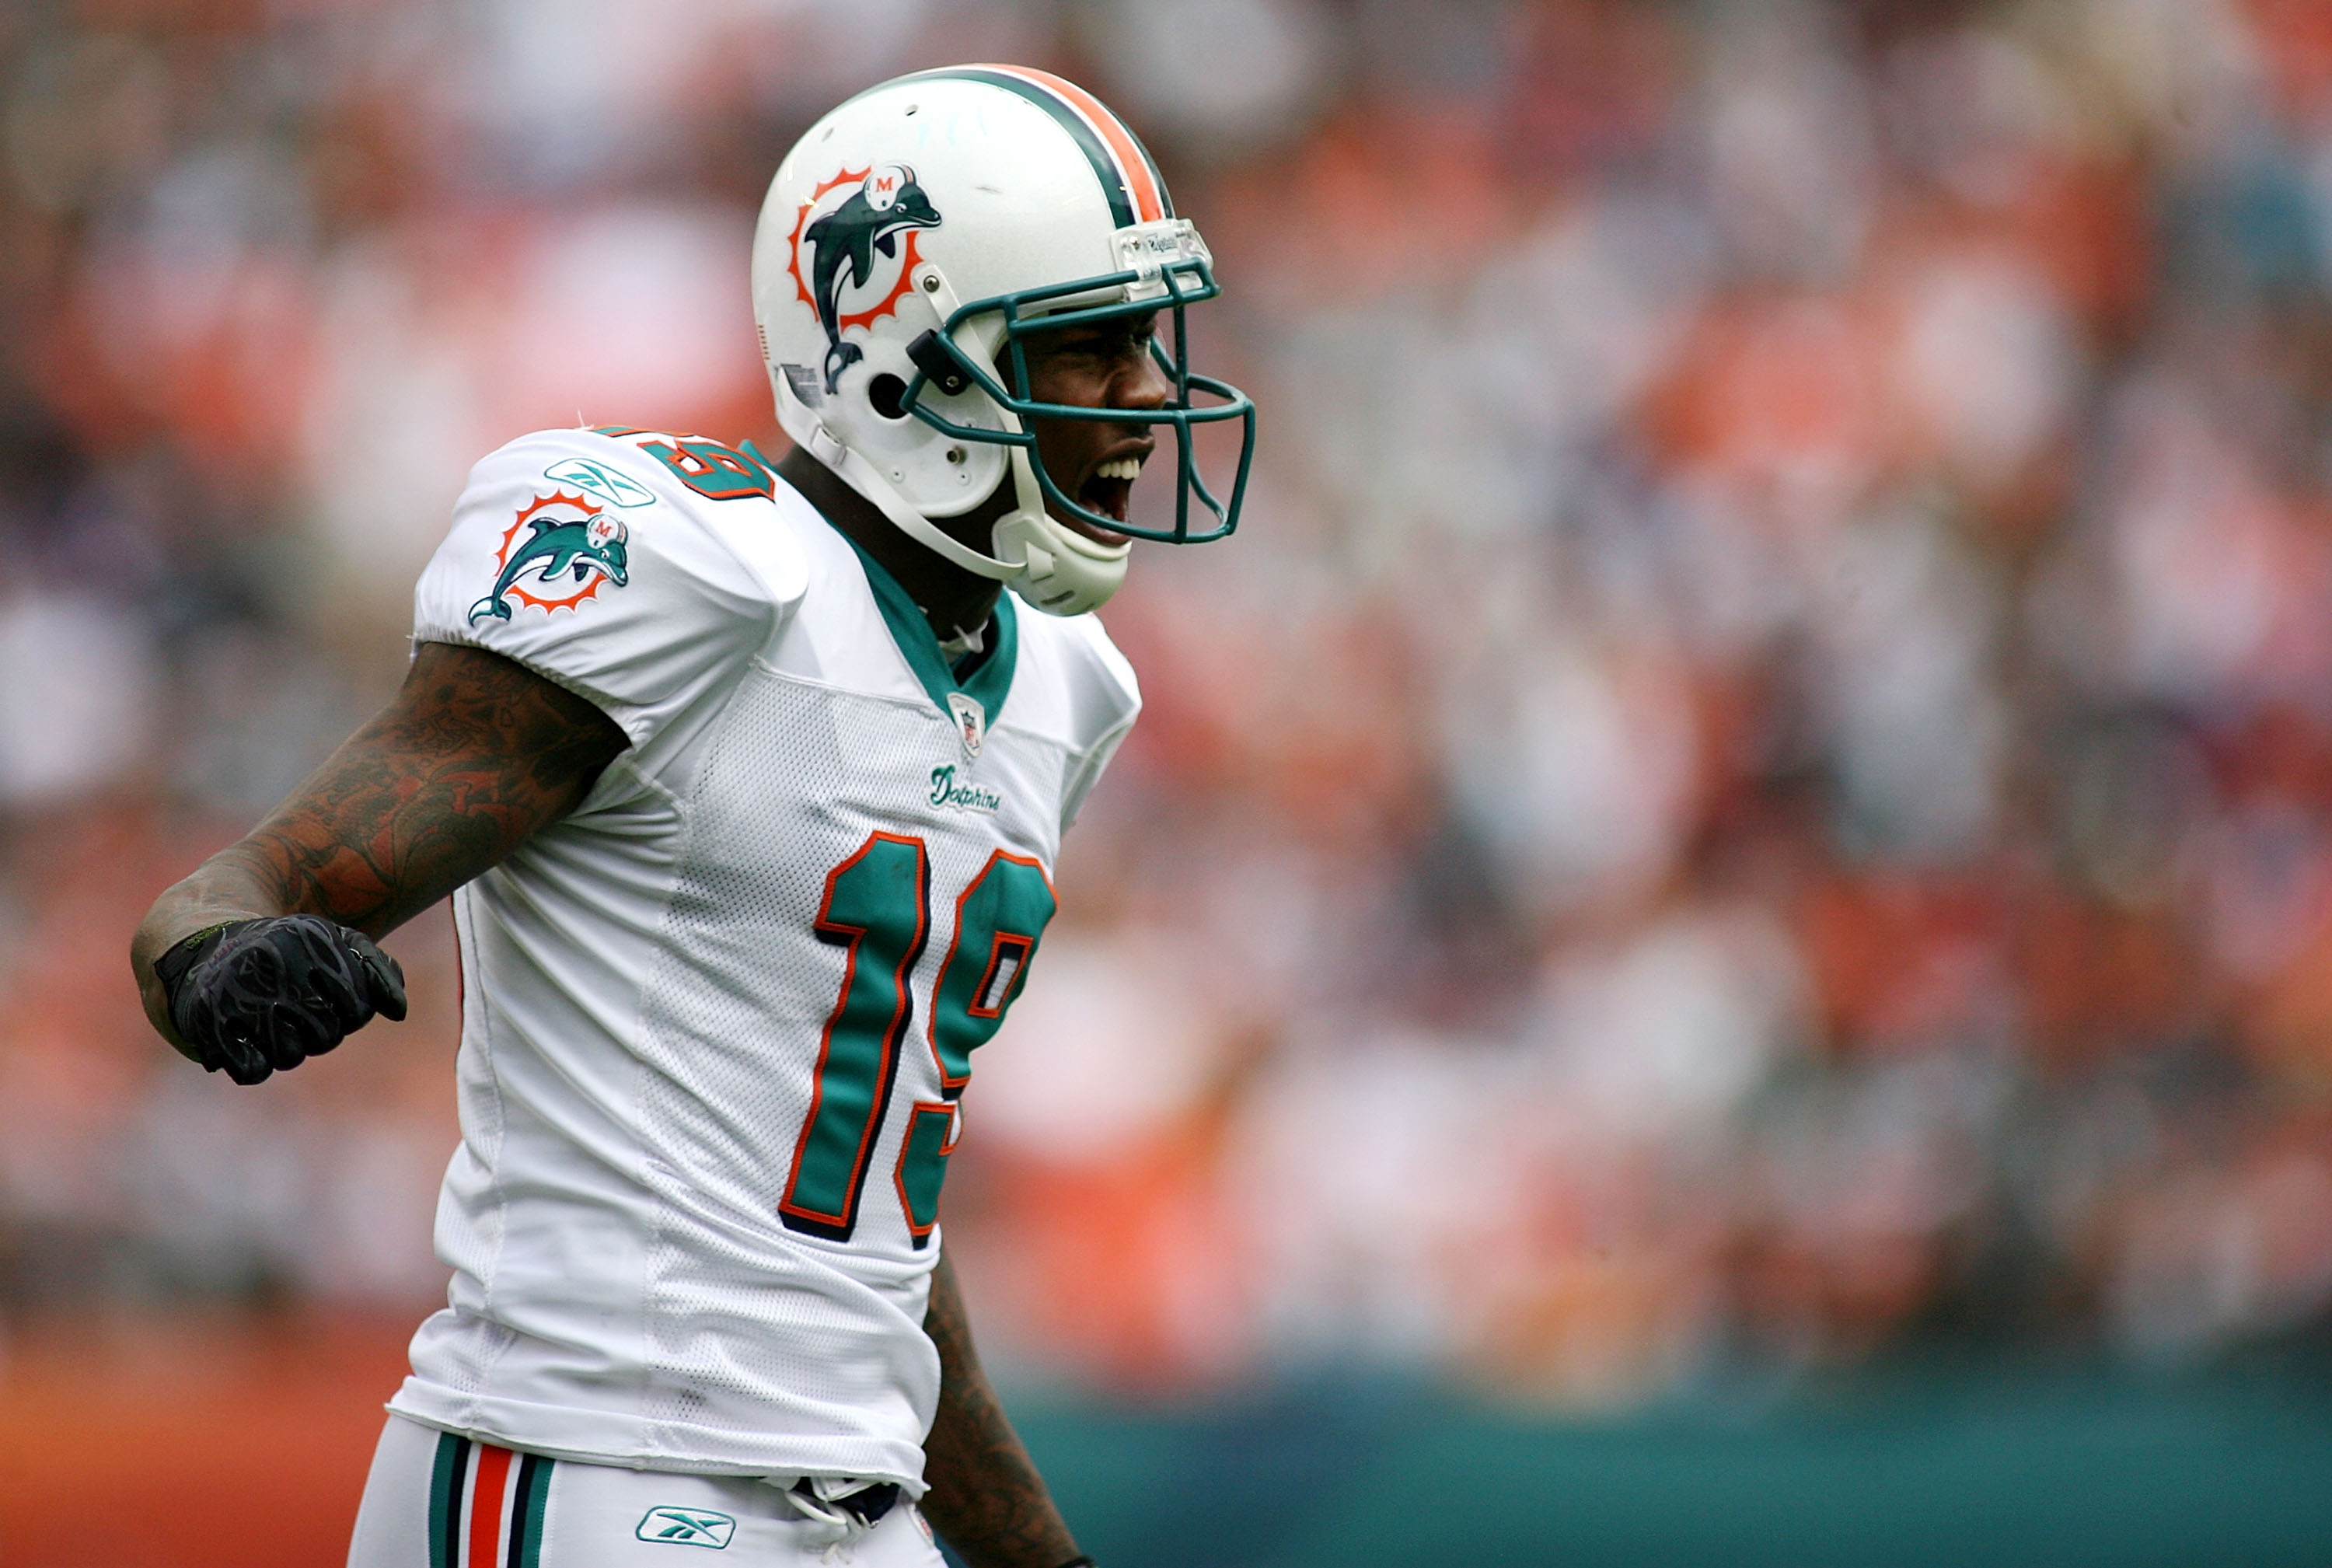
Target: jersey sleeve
[
  {"x": 608, "y": 579},
  {"x": 1104, "y": 701}
]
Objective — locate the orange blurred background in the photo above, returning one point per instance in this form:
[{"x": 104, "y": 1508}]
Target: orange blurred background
[{"x": 1755, "y": 794}]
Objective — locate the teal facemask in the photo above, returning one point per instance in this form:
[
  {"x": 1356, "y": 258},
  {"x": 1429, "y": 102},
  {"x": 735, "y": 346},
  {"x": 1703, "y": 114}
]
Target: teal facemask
[{"x": 942, "y": 362}]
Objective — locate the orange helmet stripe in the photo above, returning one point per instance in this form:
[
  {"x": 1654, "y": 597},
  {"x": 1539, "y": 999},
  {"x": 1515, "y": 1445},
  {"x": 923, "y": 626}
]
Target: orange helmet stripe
[{"x": 1133, "y": 164}]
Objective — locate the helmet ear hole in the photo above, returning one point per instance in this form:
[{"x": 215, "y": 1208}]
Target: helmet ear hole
[{"x": 888, "y": 394}]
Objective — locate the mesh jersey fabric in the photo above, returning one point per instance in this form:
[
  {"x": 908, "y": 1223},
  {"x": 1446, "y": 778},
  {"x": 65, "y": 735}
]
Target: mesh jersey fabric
[{"x": 648, "y": 997}]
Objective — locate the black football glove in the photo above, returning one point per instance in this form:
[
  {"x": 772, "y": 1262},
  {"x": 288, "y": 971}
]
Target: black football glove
[{"x": 256, "y": 996}]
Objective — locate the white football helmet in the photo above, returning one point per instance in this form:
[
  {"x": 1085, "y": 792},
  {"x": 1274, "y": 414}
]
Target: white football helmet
[{"x": 910, "y": 241}]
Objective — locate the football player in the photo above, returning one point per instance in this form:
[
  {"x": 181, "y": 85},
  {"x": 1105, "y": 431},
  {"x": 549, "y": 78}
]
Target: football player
[{"x": 746, "y": 783}]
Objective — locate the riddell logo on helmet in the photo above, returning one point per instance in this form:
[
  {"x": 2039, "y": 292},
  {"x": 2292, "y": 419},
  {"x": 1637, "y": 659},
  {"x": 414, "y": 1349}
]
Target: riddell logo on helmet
[{"x": 848, "y": 222}]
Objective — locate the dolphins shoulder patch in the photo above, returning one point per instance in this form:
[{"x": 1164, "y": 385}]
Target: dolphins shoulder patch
[
  {"x": 848, "y": 222},
  {"x": 557, "y": 551}
]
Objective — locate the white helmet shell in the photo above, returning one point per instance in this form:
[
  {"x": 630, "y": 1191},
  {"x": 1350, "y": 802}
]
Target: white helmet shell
[{"x": 914, "y": 197}]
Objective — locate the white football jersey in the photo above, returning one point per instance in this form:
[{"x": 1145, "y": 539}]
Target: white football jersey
[{"x": 716, "y": 1023}]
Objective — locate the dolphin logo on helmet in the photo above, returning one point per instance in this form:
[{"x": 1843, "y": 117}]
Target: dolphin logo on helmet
[{"x": 887, "y": 201}]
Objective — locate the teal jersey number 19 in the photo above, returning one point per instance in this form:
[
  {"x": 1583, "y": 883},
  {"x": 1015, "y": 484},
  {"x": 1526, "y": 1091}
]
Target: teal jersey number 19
[{"x": 877, "y": 907}]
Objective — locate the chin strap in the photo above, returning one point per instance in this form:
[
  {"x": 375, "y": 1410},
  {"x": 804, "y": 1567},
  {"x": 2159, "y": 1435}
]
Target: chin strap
[
  {"x": 860, "y": 474},
  {"x": 1055, "y": 568}
]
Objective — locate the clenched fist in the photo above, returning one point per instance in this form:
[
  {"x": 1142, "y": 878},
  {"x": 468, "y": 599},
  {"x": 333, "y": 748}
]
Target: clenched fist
[{"x": 254, "y": 997}]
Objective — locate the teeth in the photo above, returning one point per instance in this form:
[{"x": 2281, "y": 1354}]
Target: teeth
[{"x": 1127, "y": 468}]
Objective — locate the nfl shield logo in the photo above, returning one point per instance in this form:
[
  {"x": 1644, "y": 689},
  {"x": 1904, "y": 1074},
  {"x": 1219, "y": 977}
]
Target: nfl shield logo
[{"x": 970, "y": 723}]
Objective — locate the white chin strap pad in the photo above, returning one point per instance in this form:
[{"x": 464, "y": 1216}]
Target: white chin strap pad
[{"x": 1061, "y": 571}]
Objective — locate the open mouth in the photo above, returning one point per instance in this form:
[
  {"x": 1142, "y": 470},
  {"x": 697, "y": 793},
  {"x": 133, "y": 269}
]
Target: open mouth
[{"x": 1109, "y": 491}]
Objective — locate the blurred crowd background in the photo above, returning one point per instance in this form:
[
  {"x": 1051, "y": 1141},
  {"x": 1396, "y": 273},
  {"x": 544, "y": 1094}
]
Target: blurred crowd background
[{"x": 1755, "y": 787}]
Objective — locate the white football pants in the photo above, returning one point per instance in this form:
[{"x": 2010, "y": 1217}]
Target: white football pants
[{"x": 438, "y": 1501}]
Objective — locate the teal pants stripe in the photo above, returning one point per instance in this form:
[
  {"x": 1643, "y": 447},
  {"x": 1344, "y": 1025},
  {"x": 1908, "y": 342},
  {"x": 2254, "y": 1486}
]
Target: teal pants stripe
[{"x": 446, "y": 1476}]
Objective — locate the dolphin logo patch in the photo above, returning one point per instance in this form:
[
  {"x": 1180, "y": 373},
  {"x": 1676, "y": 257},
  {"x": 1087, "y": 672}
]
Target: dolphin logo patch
[
  {"x": 877, "y": 219},
  {"x": 568, "y": 552}
]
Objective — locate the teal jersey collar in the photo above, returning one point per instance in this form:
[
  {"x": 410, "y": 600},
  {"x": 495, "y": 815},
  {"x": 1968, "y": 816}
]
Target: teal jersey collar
[{"x": 988, "y": 684}]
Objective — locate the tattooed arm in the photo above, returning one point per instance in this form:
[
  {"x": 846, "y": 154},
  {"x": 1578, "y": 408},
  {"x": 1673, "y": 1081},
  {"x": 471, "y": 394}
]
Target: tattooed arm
[
  {"x": 475, "y": 752},
  {"x": 986, "y": 1497}
]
